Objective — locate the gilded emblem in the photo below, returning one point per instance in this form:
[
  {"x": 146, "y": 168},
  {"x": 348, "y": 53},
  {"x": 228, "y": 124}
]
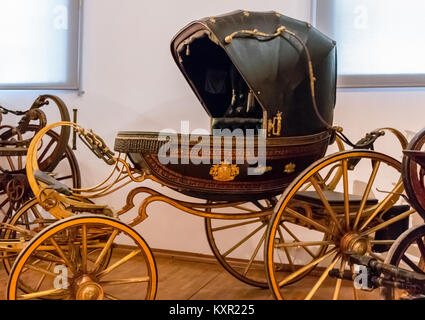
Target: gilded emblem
[
  {"x": 290, "y": 168},
  {"x": 275, "y": 125},
  {"x": 224, "y": 172}
]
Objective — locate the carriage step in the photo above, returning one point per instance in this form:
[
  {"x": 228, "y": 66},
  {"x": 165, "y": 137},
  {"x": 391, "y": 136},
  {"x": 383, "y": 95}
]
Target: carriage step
[{"x": 334, "y": 198}]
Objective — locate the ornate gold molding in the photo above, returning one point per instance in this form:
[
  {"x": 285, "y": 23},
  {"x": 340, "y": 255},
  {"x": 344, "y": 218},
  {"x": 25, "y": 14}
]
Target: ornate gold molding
[{"x": 275, "y": 125}]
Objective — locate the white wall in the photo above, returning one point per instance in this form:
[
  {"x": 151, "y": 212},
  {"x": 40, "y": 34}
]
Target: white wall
[{"x": 132, "y": 83}]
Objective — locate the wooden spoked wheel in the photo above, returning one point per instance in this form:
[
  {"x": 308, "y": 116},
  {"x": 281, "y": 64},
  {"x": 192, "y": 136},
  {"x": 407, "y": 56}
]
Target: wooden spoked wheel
[
  {"x": 414, "y": 175},
  {"x": 67, "y": 248},
  {"x": 14, "y": 186},
  {"x": 341, "y": 221},
  {"x": 408, "y": 253},
  {"x": 31, "y": 219},
  {"x": 229, "y": 238}
]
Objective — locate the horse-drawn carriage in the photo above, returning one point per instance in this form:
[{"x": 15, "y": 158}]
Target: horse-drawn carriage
[{"x": 268, "y": 83}]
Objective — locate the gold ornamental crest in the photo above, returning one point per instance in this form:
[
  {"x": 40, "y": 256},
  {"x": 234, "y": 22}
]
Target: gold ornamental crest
[{"x": 224, "y": 172}]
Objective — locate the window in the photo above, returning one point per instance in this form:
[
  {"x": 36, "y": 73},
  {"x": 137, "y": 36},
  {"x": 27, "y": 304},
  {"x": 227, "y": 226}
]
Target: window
[
  {"x": 40, "y": 44},
  {"x": 381, "y": 43}
]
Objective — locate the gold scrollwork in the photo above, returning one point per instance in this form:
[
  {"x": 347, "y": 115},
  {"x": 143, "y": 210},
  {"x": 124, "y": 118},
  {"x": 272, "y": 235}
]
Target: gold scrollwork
[{"x": 224, "y": 172}]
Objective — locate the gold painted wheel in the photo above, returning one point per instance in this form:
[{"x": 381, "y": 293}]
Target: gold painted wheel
[
  {"x": 65, "y": 247},
  {"x": 228, "y": 239},
  {"x": 347, "y": 221},
  {"x": 29, "y": 221}
]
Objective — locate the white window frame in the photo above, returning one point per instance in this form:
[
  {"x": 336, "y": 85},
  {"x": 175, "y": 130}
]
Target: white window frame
[
  {"x": 75, "y": 83},
  {"x": 321, "y": 18}
]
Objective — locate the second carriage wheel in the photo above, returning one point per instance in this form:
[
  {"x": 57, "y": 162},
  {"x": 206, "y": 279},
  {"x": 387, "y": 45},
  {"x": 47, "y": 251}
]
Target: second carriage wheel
[
  {"x": 359, "y": 217},
  {"x": 14, "y": 187},
  {"x": 228, "y": 239},
  {"x": 408, "y": 253},
  {"x": 65, "y": 247}
]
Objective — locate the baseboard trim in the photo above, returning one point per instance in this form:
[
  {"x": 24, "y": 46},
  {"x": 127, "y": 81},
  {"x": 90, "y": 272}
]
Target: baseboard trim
[{"x": 201, "y": 258}]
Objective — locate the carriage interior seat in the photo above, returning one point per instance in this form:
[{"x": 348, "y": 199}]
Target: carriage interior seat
[{"x": 225, "y": 93}]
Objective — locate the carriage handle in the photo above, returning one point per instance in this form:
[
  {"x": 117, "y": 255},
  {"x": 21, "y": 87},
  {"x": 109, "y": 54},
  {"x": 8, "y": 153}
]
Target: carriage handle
[
  {"x": 3, "y": 110},
  {"x": 37, "y": 104}
]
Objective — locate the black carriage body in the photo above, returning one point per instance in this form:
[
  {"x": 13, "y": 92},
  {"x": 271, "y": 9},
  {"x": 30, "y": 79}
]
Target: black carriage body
[{"x": 248, "y": 83}]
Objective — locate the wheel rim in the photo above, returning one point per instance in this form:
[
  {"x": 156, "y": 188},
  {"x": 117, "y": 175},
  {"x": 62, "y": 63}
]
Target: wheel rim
[
  {"x": 246, "y": 270},
  {"x": 86, "y": 279},
  {"x": 251, "y": 269},
  {"x": 348, "y": 224}
]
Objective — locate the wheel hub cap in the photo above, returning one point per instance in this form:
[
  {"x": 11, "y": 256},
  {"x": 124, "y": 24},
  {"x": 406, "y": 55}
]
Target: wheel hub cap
[
  {"x": 89, "y": 290},
  {"x": 353, "y": 243}
]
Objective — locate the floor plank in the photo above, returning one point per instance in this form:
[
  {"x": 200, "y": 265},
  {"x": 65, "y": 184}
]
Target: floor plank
[{"x": 181, "y": 280}]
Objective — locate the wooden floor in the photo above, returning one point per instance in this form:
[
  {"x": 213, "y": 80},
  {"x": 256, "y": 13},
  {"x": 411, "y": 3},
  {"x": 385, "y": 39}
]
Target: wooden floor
[{"x": 187, "y": 280}]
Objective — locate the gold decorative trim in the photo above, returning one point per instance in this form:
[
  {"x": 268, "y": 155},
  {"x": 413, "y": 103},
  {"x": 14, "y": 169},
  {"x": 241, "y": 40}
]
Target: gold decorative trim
[{"x": 275, "y": 125}]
